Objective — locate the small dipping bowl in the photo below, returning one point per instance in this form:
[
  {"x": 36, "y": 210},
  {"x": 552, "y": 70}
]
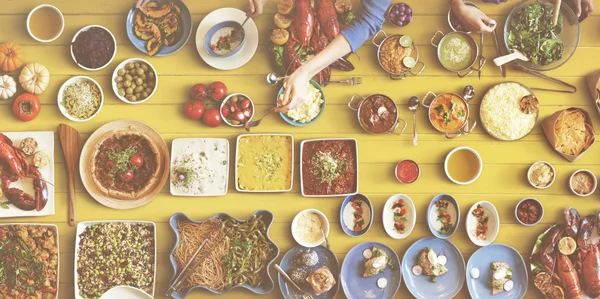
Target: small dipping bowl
[
  {"x": 222, "y": 29},
  {"x": 116, "y": 74},
  {"x": 84, "y": 29},
  {"x": 480, "y": 166},
  {"x": 124, "y": 291},
  {"x": 347, "y": 215},
  {"x": 407, "y": 171},
  {"x": 62, "y": 23},
  {"x": 226, "y": 101},
  {"x": 594, "y": 182},
  {"x": 532, "y": 201},
  {"x": 295, "y": 226},
  {"x": 529, "y": 172}
]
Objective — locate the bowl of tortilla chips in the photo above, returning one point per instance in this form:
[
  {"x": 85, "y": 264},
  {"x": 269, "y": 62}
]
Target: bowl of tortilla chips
[
  {"x": 570, "y": 132},
  {"x": 593, "y": 81}
]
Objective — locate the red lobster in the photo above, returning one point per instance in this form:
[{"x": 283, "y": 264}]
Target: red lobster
[
  {"x": 568, "y": 276},
  {"x": 303, "y": 22},
  {"x": 14, "y": 166},
  {"x": 547, "y": 252},
  {"x": 588, "y": 257}
]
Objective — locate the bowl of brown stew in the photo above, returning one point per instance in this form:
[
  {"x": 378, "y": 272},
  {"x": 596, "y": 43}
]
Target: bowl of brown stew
[
  {"x": 377, "y": 114},
  {"x": 449, "y": 112},
  {"x": 93, "y": 47},
  {"x": 398, "y": 55}
]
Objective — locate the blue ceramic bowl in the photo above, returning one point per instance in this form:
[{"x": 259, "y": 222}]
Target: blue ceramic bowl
[
  {"x": 431, "y": 216},
  {"x": 447, "y": 285},
  {"x": 326, "y": 258},
  {"x": 221, "y": 29},
  {"x": 483, "y": 258},
  {"x": 185, "y": 17},
  {"x": 299, "y": 124},
  {"x": 369, "y": 218},
  {"x": 267, "y": 284},
  {"x": 356, "y": 286}
]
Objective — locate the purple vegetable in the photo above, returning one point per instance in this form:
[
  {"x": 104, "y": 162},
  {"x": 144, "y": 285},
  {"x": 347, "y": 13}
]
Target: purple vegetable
[
  {"x": 393, "y": 15},
  {"x": 400, "y": 14},
  {"x": 181, "y": 177}
]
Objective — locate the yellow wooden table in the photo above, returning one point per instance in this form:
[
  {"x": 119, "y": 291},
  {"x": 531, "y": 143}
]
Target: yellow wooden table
[{"x": 503, "y": 181}]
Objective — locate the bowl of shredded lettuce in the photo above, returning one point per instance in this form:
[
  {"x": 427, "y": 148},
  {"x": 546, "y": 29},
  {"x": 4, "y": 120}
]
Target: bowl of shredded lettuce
[
  {"x": 529, "y": 28},
  {"x": 309, "y": 111}
]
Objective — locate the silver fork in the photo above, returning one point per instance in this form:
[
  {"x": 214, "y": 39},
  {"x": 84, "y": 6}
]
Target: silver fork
[{"x": 350, "y": 81}]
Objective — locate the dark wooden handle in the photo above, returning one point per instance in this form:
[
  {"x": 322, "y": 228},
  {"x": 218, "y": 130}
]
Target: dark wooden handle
[{"x": 71, "y": 198}]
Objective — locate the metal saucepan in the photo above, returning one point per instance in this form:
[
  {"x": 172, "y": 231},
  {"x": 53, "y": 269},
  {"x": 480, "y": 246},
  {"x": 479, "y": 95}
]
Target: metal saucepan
[
  {"x": 394, "y": 38},
  {"x": 453, "y": 21},
  {"x": 377, "y": 114},
  {"x": 474, "y": 47},
  {"x": 462, "y": 129}
]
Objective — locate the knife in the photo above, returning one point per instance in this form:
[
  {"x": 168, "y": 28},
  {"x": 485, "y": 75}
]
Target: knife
[{"x": 499, "y": 53}]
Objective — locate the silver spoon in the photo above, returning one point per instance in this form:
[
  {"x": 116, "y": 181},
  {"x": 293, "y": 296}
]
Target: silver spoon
[
  {"x": 413, "y": 104},
  {"x": 325, "y": 236},
  {"x": 272, "y": 78}
]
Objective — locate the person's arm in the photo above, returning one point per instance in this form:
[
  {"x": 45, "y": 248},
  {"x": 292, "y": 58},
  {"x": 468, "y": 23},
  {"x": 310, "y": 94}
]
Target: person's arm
[
  {"x": 368, "y": 21},
  {"x": 471, "y": 17}
]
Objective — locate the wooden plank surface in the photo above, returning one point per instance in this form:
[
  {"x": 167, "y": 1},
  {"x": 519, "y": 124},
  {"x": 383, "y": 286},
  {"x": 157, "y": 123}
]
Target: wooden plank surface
[{"x": 503, "y": 181}]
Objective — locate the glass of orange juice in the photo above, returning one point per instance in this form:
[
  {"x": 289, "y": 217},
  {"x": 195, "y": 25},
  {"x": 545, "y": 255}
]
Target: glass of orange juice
[{"x": 45, "y": 23}]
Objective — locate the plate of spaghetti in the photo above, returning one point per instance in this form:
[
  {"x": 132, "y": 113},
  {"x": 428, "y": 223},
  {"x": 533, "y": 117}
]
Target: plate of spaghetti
[{"x": 238, "y": 253}]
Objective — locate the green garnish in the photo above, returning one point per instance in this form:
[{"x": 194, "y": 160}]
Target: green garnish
[
  {"x": 439, "y": 108},
  {"x": 329, "y": 166},
  {"x": 271, "y": 163},
  {"x": 447, "y": 118},
  {"x": 121, "y": 158},
  {"x": 461, "y": 113}
]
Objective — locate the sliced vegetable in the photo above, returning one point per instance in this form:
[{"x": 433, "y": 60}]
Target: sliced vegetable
[
  {"x": 367, "y": 253},
  {"x": 417, "y": 270},
  {"x": 382, "y": 283}
]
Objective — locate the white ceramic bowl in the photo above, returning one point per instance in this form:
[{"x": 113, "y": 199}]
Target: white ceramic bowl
[
  {"x": 122, "y": 65},
  {"x": 76, "y": 79},
  {"x": 86, "y": 28},
  {"x": 62, "y": 23},
  {"x": 124, "y": 291},
  {"x": 324, "y": 221},
  {"x": 478, "y": 158},
  {"x": 517, "y": 209},
  {"x": 593, "y": 188},
  {"x": 531, "y": 169},
  {"x": 493, "y": 223},
  {"x": 388, "y": 216},
  {"x": 226, "y": 100}
]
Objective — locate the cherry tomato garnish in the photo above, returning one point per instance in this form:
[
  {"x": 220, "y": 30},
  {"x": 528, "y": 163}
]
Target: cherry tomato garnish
[
  {"x": 137, "y": 160},
  {"x": 239, "y": 116},
  {"x": 247, "y": 113},
  {"x": 225, "y": 111},
  {"x": 128, "y": 176},
  {"x": 110, "y": 165},
  {"x": 245, "y": 104}
]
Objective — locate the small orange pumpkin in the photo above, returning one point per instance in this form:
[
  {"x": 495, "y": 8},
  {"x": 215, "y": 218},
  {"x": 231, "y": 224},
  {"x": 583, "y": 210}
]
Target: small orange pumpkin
[{"x": 11, "y": 56}]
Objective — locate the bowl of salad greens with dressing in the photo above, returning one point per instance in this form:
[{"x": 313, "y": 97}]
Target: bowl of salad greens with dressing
[{"x": 529, "y": 28}]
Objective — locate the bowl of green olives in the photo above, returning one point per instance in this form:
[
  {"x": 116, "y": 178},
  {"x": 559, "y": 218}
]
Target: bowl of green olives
[{"x": 134, "y": 81}]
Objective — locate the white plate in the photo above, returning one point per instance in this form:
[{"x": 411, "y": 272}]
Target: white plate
[
  {"x": 388, "y": 216},
  {"x": 248, "y": 48},
  {"x": 57, "y": 247},
  {"x": 194, "y": 144},
  {"x": 120, "y": 292},
  {"x": 301, "y": 166},
  {"x": 237, "y": 155},
  {"x": 45, "y": 142},
  {"x": 493, "y": 223},
  {"x": 81, "y": 227},
  {"x": 326, "y": 229}
]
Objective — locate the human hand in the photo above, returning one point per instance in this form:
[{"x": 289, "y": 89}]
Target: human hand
[
  {"x": 473, "y": 18},
  {"x": 255, "y": 7},
  {"x": 296, "y": 90},
  {"x": 580, "y": 5},
  {"x": 141, "y": 3}
]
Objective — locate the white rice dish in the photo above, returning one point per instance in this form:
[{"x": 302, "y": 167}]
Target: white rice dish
[
  {"x": 310, "y": 109},
  {"x": 501, "y": 115},
  {"x": 204, "y": 163}
]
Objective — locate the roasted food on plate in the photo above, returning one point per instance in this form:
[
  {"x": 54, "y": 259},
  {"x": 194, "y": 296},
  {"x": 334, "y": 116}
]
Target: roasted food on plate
[
  {"x": 501, "y": 277},
  {"x": 158, "y": 25},
  {"x": 321, "y": 280},
  {"x": 376, "y": 260},
  {"x": 431, "y": 264}
]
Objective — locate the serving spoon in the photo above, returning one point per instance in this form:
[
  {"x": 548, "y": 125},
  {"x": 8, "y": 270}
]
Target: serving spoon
[
  {"x": 516, "y": 54},
  {"x": 273, "y": 79},
  {"x": 413, "y": 105}
]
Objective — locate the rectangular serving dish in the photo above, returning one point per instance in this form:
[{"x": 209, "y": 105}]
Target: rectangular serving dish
[
  {"x": 45, "y": 140},
  {"x": 57, "y": 247},
  {"x": 181, "y": 142},
  {"x": 302, "y": 166},
  {"x": 237, "y": 155},
  {"x": 81, "y": 227}
]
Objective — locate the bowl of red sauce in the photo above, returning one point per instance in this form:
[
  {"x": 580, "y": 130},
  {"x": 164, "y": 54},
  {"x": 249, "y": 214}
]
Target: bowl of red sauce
[
  {"x": 407, "y": 171},
  {"x": 529, "y": 211}
]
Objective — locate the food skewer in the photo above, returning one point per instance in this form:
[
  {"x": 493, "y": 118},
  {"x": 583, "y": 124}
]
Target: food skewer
[
  {"x": 289, "y": 280},
  {"x": 556, "y": 12}
]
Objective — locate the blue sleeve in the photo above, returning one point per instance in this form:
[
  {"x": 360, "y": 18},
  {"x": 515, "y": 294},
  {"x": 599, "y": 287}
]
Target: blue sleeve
[{"x": 368, "y": 21}]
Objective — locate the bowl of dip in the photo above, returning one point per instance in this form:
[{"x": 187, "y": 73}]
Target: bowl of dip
[
  {"x": 307, "y": 225},
  {"x": 356, "y": 215},
  {"x": 463, "y": 165},
  {"x": 309, "y": 111},
  {"x": 583, "y": 183},
  {"x": 407, "y": 171},
  {"x": 541, "y": 175},
  {"x": 529, "y": 211},
  {"x": 217, "y": 40},
  {"x": 457, "y": 52},
  {"x": 45, "y": 23},
  {"x": 93, "y": 47},
  {"x": 377, "y": 114}
]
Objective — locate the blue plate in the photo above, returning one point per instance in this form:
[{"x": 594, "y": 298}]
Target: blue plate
[
  {"x": 326, "y": 258},
  {"x": 447, "y": 285},
  {"x": 299, "y": 124},
  {"x": 357, "y": 286},
  {"x": 345, "y": 228},
  {"x": 483, "y": 258},
  {"x": 185, "y": 17},
  {"x": 431, "y": 217},
  {"x": 217, "y": 29},
  {"x": 267, "y": 284}
]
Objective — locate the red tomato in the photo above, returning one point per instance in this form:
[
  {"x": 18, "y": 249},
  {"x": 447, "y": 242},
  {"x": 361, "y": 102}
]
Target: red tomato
[
  {"x": 233, "y": 108},
  {"x": 245, "y": 104},
  {"x": 239, "y": 116},
  {"x": 194, "y": 109},
  {"x": 217, "y": 90},
  {"x": 128, "y": 176},
  {"x": 225, "y": 111},
  {"x": 247, "y": 113},
  {"x": 137, "y": 160},
  {"x": 212, "y": 118},
  {"x": 26, "y": 107},
  {"x": 198, "y": 92},
  {"x": 110, "y": 165}
]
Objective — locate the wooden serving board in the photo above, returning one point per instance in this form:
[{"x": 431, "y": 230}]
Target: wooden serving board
[{"x": 86, "y": 160}]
